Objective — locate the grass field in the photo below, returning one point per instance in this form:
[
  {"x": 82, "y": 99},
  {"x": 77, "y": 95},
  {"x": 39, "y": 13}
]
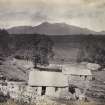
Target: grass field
[{"x": 50, "y": 102}]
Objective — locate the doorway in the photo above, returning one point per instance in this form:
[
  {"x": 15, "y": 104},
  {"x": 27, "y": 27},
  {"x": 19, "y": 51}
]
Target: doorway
[{"x": 43, "y": 90}]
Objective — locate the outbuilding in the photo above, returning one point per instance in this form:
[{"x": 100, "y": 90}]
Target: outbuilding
[{"x": 77, "y": 75}]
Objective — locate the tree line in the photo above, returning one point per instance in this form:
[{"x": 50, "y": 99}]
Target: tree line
[
  {"x": 39, "y": 48},
  {"x": 35, "y": 47},
  {"x": 93, "y": 50}
]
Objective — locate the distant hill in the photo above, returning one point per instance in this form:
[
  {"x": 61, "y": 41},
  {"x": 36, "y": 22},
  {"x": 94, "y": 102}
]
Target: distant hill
[{"x": 51, "y": 29}]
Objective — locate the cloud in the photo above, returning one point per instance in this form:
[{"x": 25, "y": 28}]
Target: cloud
[{"x": 83, "y": 13}]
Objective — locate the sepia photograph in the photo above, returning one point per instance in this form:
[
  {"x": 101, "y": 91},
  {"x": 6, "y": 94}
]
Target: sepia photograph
[{"x": 52, "y": 52}]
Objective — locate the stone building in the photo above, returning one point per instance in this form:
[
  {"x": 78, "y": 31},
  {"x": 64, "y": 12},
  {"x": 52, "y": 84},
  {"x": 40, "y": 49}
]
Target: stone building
[
  {"x": 78, "y": 76},
  {"x": 48, "y": 83}
]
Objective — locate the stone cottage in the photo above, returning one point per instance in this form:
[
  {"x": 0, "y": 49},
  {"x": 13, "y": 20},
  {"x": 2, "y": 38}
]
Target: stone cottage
[
  {"x": 78, "y": 75},
  {"x": 48, "y": 83}
]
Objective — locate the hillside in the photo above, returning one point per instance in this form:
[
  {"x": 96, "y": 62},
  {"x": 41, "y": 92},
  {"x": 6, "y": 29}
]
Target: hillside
[{"x": 51, "y": 29}]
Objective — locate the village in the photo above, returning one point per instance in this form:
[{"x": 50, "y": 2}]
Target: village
[{"x": 68, "y": 82}]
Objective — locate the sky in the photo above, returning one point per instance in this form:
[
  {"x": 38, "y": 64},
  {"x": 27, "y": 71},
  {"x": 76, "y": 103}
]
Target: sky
[{"x": 83, "y": 13}]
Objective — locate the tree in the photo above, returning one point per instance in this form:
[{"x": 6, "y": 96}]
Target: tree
[
  {"x": 43, "y": 51},
  {"x": 4, "y": 41},
  {"x": 37, "y": 48},
  {"x": 87, "y": 49},
  {"x": 92, "y": 50}
]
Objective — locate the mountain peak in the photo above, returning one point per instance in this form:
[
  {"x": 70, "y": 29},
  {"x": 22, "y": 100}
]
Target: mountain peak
[
  {"x": 44, "y": 23},
  {"x": 48, "y": 23}
]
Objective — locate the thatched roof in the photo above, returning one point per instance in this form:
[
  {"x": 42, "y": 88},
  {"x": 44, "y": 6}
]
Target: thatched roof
[
  {"x": 76, "y": 70},
  {"x": 44, "y": 78}
]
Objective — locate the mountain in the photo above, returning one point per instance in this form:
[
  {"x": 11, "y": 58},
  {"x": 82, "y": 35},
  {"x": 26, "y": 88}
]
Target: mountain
[
  {"x": 51, "y": 29},
  {"x": 20, "y": 30},
  {"x": 102, "y": 33}
]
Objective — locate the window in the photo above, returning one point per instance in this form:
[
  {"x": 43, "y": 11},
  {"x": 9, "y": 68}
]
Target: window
[
  {"x": 93, "y": 78},
  {"x": 85, "y": 77},
  {"x": 56, "y": 89},
  {"x": 43, "y": 90}
]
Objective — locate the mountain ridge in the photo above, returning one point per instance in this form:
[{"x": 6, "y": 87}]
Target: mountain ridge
[{"x": 52, "y": 29}]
